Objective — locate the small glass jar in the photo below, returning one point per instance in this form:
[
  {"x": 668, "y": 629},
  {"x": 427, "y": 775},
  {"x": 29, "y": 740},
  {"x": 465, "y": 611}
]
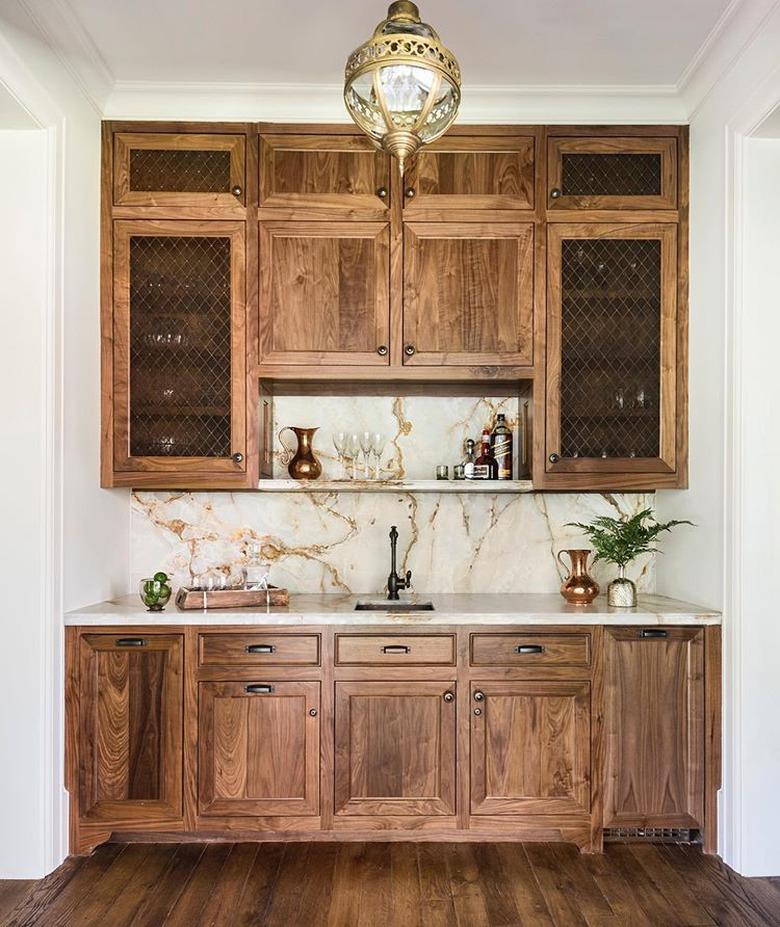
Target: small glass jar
[
  {"x": 155, "y": 593},
  {"x": 442, "y": 472},
  {"x": 459, "y": 472}
]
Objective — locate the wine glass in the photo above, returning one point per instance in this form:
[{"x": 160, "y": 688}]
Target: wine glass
[
  {"x": 353, "y": 451},
  {"x": 366, "y": 446},
  {"x": 378, "y": 441},
  {"x": 340, "y": 443}
]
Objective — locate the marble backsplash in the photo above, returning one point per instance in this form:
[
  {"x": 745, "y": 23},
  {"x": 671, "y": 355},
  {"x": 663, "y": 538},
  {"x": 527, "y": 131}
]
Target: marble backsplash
[{"x": 338, "y": 541}]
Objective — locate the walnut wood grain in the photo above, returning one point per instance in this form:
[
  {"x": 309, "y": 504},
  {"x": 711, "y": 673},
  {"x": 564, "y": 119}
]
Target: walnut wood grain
[
  {"x": 242, "y": 649},
  {"x": 557, "y": 649},
  {"x": 401, "y": 649},
  {"x": 655, "y": 728}
]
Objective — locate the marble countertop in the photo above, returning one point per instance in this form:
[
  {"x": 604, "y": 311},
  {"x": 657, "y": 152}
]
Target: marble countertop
[{"x": 336, "y": 608}]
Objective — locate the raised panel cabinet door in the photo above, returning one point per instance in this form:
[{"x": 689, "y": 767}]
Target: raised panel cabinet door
[
  {"x": 470, "y": 172},
  {"x": 468, "y": 294},
  {"x": 611, "y": 400},
  {"x": 395, "y": 748},
  {"x": 612, "y": 173},
  {"x": 179, "y": 169},
  {"x": 655, "y": 727},
  {"x": 179, "y": 347},
  {"x": 130, "y": 705},
  {"x": 530, "y": 747},
  {"x": 324, "y": 176},
  {"x": 324, "y": 293},
  {"x": 258, "y": 748}
]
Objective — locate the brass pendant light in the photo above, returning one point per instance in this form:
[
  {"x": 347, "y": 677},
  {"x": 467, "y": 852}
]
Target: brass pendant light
[{"x": 402, "y": 86}]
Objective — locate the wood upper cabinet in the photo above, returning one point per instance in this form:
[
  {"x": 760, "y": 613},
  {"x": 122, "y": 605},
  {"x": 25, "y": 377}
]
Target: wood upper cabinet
[
  {"x": 258, "y": 748},
  {"x": 655, "y": 727},
  {"x": 324, "y": 176},
  {"x": 130, "y": 698},
  {"x": 395, "y": 748},
  {"x": 530, "y": 747},
  {"x": 324, "y": 293},
  {"x": 480, "y": 172},
  {"x": 612, "y": 400},
  {"x": 612, "y": 172},
  {"x": 179, "y": 169},
  {"x": 468, "y": 293},
  {"x": 176, "y": 370}
]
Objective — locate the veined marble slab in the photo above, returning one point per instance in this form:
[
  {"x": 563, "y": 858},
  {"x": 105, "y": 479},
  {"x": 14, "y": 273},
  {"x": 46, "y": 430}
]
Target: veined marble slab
[{"x": 329, "y": 609}]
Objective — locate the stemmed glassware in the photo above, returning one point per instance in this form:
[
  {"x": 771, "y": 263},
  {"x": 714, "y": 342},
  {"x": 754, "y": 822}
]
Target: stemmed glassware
[
  {"x": 352, "y": 451},
  {"x": 349, "y": 447},
  {"x": 367, "y": 446},
  {"x": 340, "y": 443},
  {"x": 378, "y": 441}
]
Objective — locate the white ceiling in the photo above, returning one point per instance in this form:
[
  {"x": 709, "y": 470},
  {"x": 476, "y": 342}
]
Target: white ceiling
[
  {"x": 12, "y": 115},
  {"x": 498, "y": 42}
]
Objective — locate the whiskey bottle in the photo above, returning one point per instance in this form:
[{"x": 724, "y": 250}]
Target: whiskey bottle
[
  {"x": 501, "y": 446},
  {"x": 468, "y": 460},
  {"x": 485, "y": 466}
]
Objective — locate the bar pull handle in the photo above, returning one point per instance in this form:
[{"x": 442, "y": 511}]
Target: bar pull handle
[
  {"x": 653, "y": 632},
  {"x": 260, "y": 648},
  {"x": 529, "y": 648},
  {"x": 131, "y": 642},
  {"x": 396, "y": 648},
  {"x": 259, "y": 689}
]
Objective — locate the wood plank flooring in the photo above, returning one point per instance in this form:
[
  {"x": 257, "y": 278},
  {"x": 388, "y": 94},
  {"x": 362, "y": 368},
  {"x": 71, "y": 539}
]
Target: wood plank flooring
[{"x": 390, "y": 885}]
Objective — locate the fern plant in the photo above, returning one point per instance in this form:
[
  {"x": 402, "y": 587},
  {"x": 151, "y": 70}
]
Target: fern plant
[{"x": 621, "y": 540}]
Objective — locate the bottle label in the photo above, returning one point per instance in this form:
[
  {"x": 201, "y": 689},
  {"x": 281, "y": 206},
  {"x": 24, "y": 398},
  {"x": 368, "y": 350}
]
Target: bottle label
[
  {"x": 481, "y": 472},
  {"x": 502, "y": 451}
]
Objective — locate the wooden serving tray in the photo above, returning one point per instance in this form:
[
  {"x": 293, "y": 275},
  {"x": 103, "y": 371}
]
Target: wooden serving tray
[{"x": 231, "y": 598}]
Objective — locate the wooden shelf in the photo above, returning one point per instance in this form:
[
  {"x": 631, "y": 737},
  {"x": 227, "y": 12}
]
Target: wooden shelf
[{"x": 466, "y": 487}]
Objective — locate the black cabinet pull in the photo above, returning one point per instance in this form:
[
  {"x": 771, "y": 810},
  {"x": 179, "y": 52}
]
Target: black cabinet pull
[
  {"x": 396, "y": 648},
  {"x": 260, "y": 648},
  {"x": 653, "y": 632},
  {"x": 555, "y": 193},
  {"x": 131, "y": 642},
  {"x": 259, "y": 689},
  {"x": 529, "y": 648},
  {"x": 554, "y": 458}
]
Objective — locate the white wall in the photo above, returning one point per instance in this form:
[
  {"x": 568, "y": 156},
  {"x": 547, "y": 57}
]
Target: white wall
[
  {"x": 84, "y": 554},
  {"x": 22, "y": 501}
]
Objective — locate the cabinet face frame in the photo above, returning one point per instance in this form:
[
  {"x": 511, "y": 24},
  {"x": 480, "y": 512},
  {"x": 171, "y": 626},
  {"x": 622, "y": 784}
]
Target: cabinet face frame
[
  {"x": 124, "y": 231},
  {"x": 442, "y": 803},
  {"x": 324, "y": 205},
  {"x": 208, "y": 801},
  {"x": 665, "y": 148},
  {"x": 629, "y": 767},
  {"x": 379, "y": 234},
  {"x": 666, "y": 461},
  {"x": 93, "y": 742},
  {"x": 578, "y": 692},
  {"x": 127, "y": 142},
  {"x": 524, "y": 295},
  {"x": 429, "y": 206}
]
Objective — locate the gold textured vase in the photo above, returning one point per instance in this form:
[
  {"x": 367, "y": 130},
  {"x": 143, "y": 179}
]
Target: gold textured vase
[
  {"x": 302, "y": 464},
  {"x": 579, "y": 588}
]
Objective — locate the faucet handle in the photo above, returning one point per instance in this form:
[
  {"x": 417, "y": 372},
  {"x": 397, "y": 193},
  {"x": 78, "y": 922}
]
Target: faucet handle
[{"x": 408, "y": 578}]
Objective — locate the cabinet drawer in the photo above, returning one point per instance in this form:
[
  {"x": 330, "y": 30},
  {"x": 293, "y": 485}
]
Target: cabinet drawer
[
  {"x": 397, "y": 649},
  {"x": 530, "y": 649},
  {"x": 258, "y": 649}
]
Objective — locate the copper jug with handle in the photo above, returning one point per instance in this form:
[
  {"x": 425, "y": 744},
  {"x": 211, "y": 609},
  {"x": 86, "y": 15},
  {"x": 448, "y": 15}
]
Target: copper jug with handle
[
  {"x": 301, "y": 463},
  {"x": 579, "y": 588}
]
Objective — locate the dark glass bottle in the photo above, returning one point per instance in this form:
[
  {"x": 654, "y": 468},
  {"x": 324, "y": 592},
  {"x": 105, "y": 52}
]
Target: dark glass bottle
[
  {"x": 468, "y": 460},
  {"x": 501, "y": 446},
  {"x": 485, "y": 466}
]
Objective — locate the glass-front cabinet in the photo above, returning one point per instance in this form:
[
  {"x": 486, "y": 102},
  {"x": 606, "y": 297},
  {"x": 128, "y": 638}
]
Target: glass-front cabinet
[
  {"x": 611, "y": 349},
  {"x": 179, "y": 347}
]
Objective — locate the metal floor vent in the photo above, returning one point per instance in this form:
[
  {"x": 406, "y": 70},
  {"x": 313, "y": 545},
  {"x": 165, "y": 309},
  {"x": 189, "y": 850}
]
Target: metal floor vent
[{"x": 651, "y": 835}]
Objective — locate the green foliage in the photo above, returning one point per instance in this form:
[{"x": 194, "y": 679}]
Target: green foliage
[{"x": 620, "y": 540}]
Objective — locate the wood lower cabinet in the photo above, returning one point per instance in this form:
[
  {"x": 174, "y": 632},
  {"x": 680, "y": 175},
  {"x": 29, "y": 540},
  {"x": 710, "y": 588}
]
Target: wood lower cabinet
[
  {"x": 530, "y": 747},
  {"x": 395, "y": 748},
  {"x": 128, "y": 688},
  {"x": 258, "y": 748},
  {"x": 655, "y": 724}
]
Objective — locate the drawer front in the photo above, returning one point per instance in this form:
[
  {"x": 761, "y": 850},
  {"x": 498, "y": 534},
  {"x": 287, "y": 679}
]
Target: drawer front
[
  {"x": 530, "y": 649},
  {"x": 258, "y": 649},
  {"x": 395, "y": 649}
]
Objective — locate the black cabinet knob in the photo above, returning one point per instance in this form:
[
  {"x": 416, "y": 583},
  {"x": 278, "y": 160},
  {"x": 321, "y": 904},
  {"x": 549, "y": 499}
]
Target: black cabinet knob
[
  {"x": 382, "y": 350},
  {"x": 382, "y": 193},
  {"x": 409, "y": 193},
  {"x": 553, "y": 458},
  {"x": 479, "y": 696},
  {"x": 410, "y": 350},
  {"x": 236, "y": 191},
  {"x": 238, "y": 457},
  {"x": 555, "y": 193},
  {"x": 448, "y": 697}
]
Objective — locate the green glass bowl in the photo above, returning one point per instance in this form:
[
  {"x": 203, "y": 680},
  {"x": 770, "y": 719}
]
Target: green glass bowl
[{"x": 154, "y": 594}]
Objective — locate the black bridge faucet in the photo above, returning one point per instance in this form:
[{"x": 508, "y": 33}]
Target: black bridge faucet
[{"x": 394, "y": 581}]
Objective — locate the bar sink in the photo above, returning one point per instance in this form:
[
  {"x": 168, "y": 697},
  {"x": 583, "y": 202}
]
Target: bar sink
[{"x": 394, "y": 606}]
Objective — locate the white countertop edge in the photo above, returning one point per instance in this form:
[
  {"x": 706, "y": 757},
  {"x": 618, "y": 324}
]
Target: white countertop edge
[{"x": 466, "y": 609}]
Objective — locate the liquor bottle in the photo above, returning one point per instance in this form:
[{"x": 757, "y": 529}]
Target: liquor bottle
[
  {"x": 501, "y": 445},
  {"x": 485, "y": 466},
  {"x": 468, "y": 460}
]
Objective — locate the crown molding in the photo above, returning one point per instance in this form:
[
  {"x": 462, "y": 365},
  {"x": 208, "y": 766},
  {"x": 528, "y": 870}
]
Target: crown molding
[{"x": 222, "y": 101}]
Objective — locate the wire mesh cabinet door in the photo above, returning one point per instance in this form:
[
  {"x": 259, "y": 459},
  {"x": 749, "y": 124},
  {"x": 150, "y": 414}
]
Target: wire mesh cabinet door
[
  {"x": 612, "y": 351},
  {"x": 179, "y": 389}
]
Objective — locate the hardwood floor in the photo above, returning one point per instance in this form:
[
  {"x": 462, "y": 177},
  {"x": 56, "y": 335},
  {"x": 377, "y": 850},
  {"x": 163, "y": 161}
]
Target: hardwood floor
[{"x": 390, "y": 885}]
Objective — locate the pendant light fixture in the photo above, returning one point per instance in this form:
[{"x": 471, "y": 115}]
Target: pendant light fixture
[{"x": 402, "y": 86}]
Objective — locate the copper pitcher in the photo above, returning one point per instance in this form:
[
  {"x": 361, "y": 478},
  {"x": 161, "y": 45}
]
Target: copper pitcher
[
  {"x": 301, "y": 464},
  {"x": 579, "y": 588}
]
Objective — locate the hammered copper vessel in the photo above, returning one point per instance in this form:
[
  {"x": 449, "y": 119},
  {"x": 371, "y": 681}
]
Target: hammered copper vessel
[
  {"x": 301, "y": 465},
  {"x": 579, "y": 588}
]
